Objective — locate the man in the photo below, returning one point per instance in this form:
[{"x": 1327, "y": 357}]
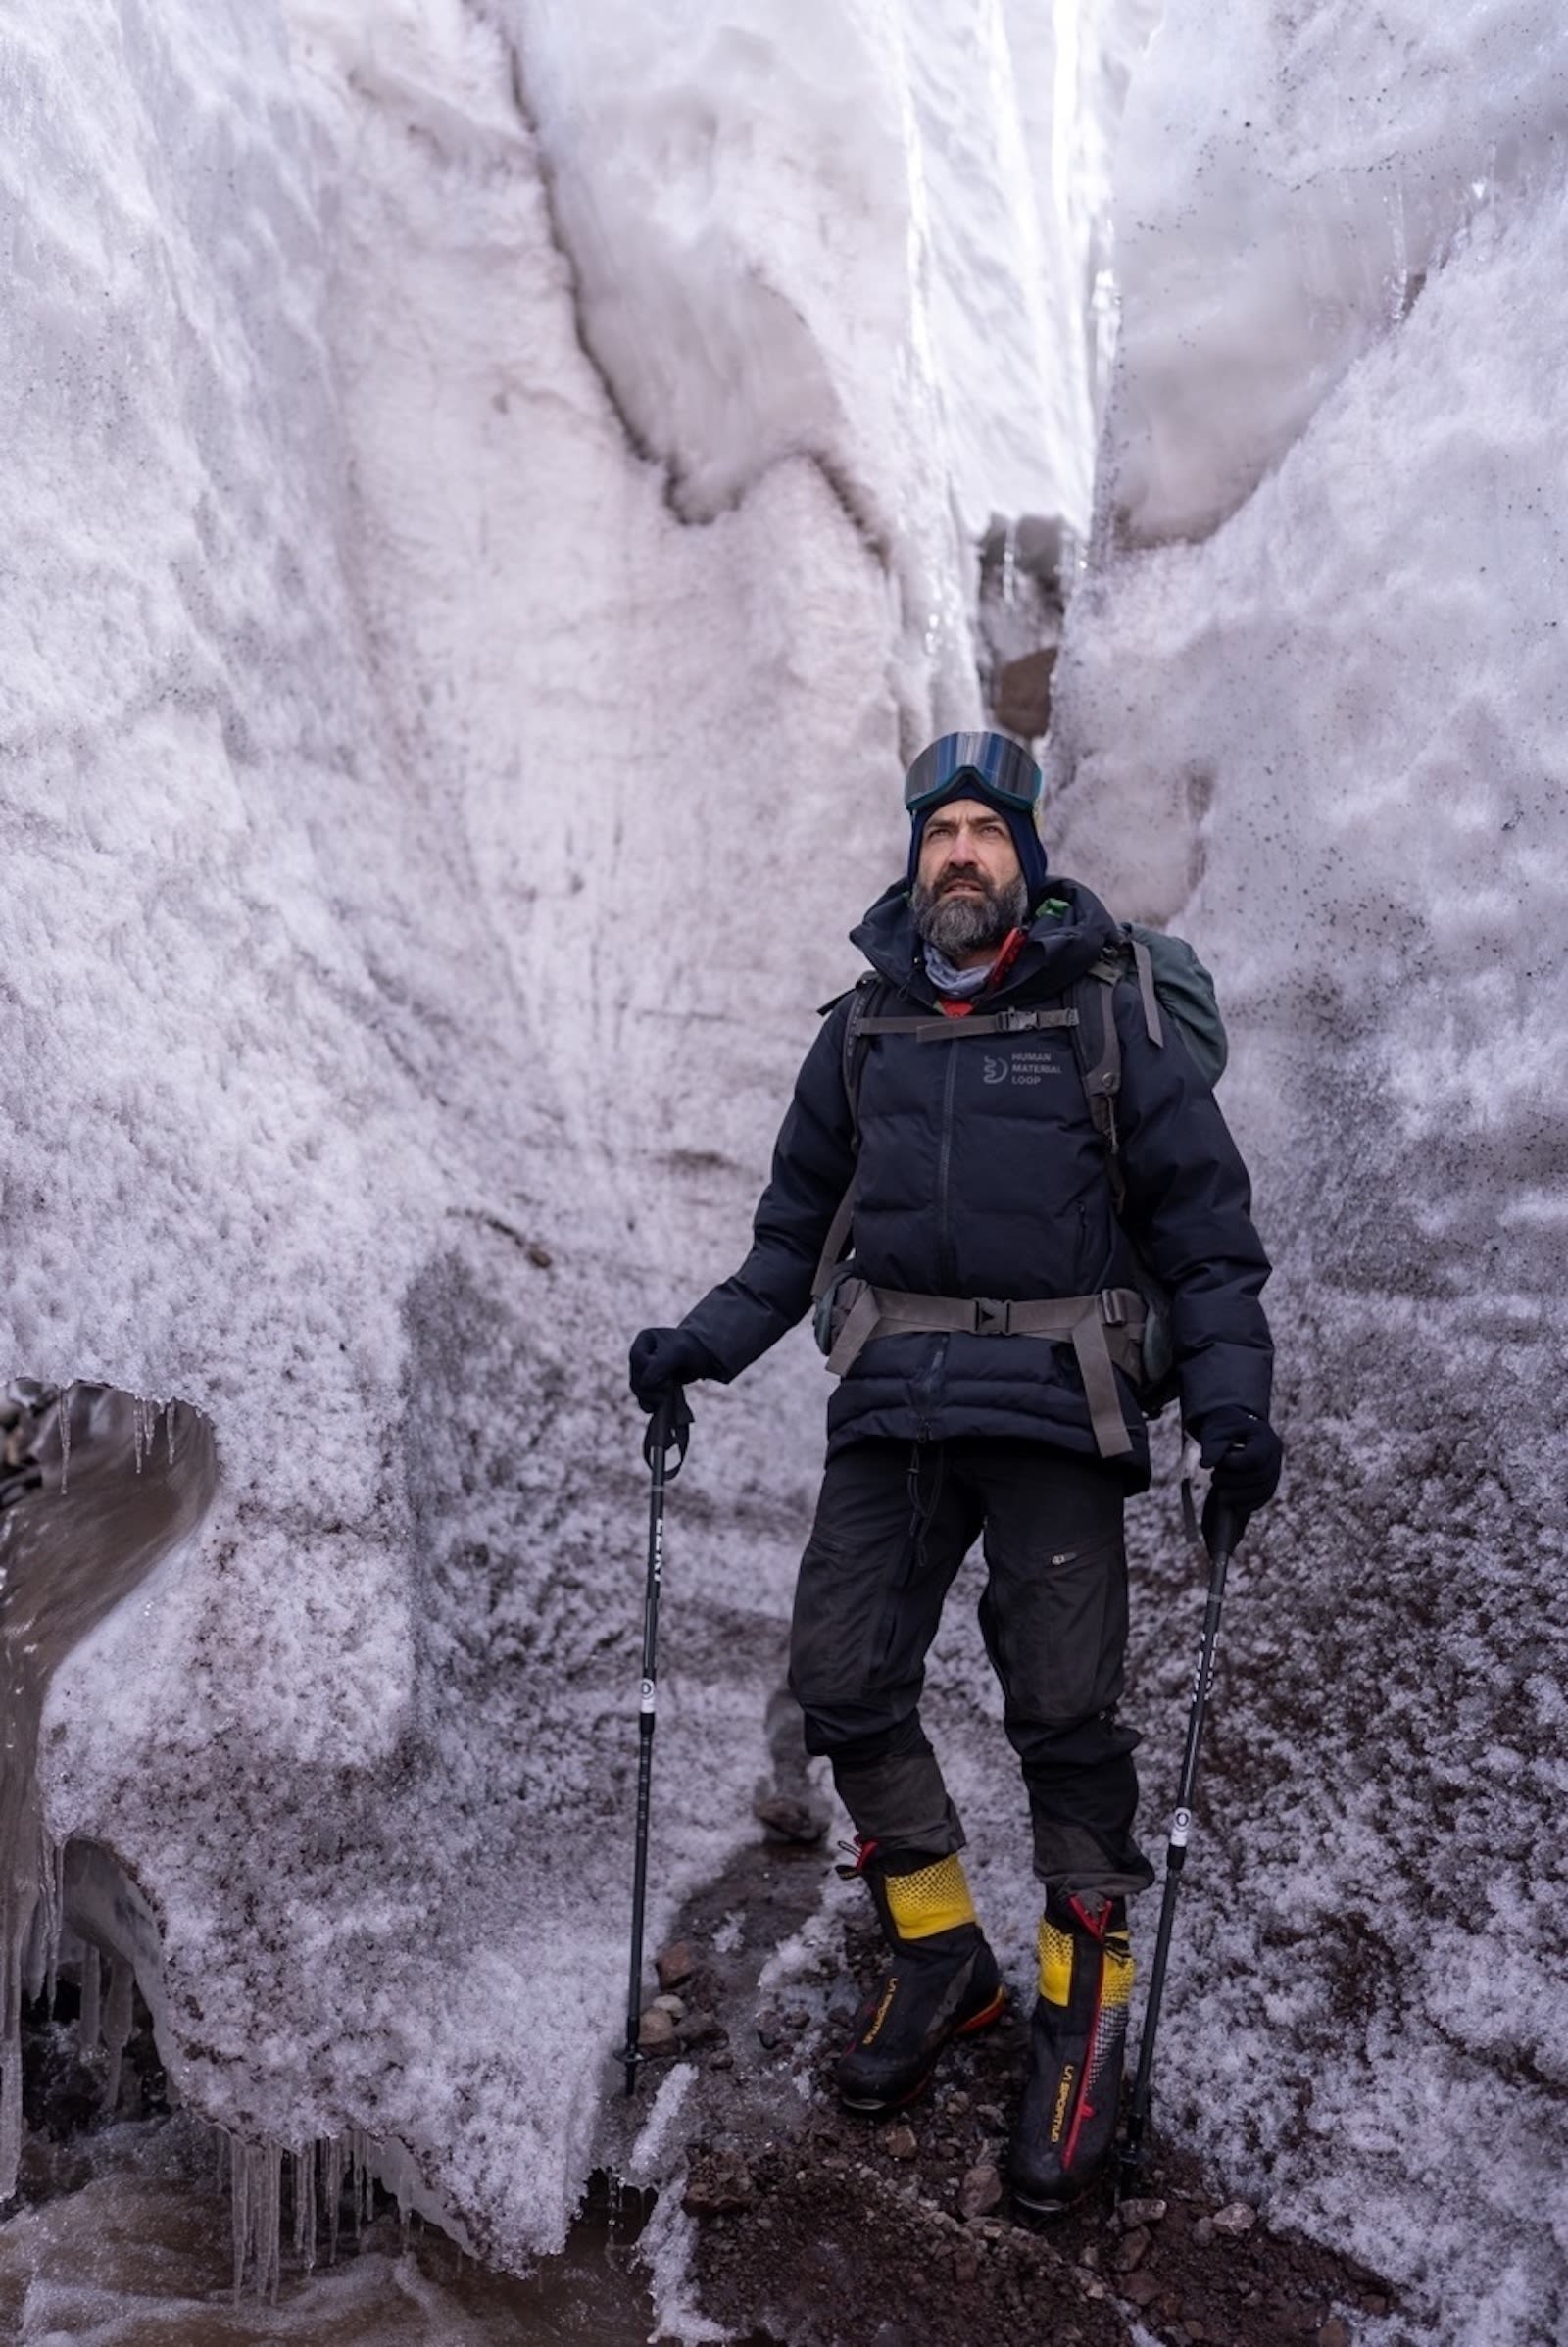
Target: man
[{"x": 984, "y": 1331}]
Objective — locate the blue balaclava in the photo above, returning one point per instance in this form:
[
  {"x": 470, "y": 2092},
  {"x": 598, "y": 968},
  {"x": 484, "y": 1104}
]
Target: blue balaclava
[{"x": 1026, "y": 839}]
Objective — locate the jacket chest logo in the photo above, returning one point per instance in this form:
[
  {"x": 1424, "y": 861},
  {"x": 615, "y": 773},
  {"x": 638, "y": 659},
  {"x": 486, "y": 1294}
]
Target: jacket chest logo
[{"x": 1020, "y": 1067}]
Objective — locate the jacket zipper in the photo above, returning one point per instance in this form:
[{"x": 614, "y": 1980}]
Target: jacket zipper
[{"x": 944, "y": 1166}]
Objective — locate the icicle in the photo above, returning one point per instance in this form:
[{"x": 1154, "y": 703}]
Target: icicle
[
  {"x": 11, "y": 2079},
  {"x": 89, "y": 2020},
  {"x": 119, "y": 2013},
  {"x": 304, "y": 2206},
  {"x": 62, "y": 1413},
  {"x": 54, "y": 1921},
  {"x": 240, "y": 2208},
  {"x": 1009, "y": 564},
  {"x": 269, "y": 2221},
  {"x": 138, "y": 1444},
  {"x": 334, "y": 2195},
  {"x": 169, "y": 1428}
]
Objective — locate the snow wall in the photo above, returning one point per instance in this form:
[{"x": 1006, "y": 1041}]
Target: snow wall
[
  {"x": 1311, "y": 712},
  {"x": 490, "y": 508},
  {"x": 493, "y": 493}
]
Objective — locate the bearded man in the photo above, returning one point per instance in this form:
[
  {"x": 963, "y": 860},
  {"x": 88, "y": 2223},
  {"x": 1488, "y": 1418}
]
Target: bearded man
[{"x": 984, "y": 1331}]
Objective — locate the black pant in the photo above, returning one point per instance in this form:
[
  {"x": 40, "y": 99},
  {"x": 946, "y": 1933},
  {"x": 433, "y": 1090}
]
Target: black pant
[{"x": 893, "y": 1526}]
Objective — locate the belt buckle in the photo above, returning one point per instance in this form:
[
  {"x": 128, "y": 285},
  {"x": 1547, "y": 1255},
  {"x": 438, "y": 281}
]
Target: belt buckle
[
  {"x": 1112, "y": 1311},
  {"x": 991, "y": 1318}
]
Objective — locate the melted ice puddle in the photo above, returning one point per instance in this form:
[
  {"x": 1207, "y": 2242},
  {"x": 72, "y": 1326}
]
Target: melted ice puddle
[{"x": 139, "y": 2255}]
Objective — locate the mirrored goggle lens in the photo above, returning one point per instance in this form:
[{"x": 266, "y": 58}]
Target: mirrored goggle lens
[{"x": 1007, "y": 771}]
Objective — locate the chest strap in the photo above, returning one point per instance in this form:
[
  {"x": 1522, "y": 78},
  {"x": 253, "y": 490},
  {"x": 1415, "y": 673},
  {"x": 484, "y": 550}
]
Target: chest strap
[
  {"x": 978, "y": 1022},
  {"x": 1105, "y": 1333}
]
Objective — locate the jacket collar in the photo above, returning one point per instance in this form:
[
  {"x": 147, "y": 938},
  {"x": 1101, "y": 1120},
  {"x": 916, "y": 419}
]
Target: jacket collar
[{"x": 1069, "y": 932}]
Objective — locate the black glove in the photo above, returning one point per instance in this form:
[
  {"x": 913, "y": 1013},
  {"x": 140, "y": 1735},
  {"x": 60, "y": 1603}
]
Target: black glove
[
  {"x": 662, "y": 1359},
  {"x": 1246, "y": 1455}
]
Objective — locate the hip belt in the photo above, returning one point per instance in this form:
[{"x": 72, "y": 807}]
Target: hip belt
[{"x": 1105, "y": 1333}]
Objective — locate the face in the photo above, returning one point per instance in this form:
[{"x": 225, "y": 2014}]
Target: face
[
  {"x": 969, "y": 885},
  {"x": 966, "y": 851}
]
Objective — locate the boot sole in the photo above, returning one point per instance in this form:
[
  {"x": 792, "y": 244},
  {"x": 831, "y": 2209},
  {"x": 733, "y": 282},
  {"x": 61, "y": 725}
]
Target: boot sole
[{"x": 985, "y": 2019}]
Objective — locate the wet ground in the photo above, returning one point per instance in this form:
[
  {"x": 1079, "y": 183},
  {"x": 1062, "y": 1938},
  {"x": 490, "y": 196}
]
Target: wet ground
[{"x": 822, "y": 2231}]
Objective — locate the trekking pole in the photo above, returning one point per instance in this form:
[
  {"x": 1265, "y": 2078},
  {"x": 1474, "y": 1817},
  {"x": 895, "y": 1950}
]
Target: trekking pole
[
  {"x": 668, "y": 1429},
  {"x": 1228, "y": 1528}
]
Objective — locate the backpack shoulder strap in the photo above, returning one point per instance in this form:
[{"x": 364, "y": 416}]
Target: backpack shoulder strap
[
  {"x": 1096, "y": 1047},
  {"x": 864, "y": 997}
]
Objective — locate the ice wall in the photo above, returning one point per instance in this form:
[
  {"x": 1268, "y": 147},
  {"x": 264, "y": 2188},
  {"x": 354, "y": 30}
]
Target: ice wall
[
  {"x": 490, "y": 496},
  {"x": 1313, "y": 711}
]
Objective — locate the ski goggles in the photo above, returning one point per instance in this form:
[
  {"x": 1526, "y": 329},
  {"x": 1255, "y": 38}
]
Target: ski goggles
[{"x": 1004, "y": 770}]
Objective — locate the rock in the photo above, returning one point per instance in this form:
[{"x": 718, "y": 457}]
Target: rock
[
  {"x": 674, "y": 2006},
  {"x": 656, "y": 2033},
  {"x": 719, "y": 2183},
  {"x": 990, "y": 2114},
  {"x": 982, "y": 2190},
  {"x": 1132, "y": 2249},
  {"x": 1234, "y": 2219},
  {"x": 1141, "y": 2290},
  {"x": 1336, "y": 2332},
  {"x": 539, "y": 1257},
  {"x": 1089, "y": 2256},
  {"x": 1133, "y": 2213},
  {"x": 1204, "y": 2232},
  {"x": 768, "y": 2031},
  {"x": 958, "y": 2103},
  {"x": 675, "y": 1964},
  {"x": 1021, "y": 694},
  {"x": 965, "y": 2265},
  {"x": 699, "y": 2028},
  {"x": 787, "y": 1819},
  {"x": 900, "y": 2141}
]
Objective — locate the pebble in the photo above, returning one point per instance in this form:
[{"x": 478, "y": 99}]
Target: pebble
[
  {"x": 1204, "y": 2232},
  {"x": 1133, "y": 2213},
  {"x": 674, "y": 2006},
  {"x": 717, "y": 2185},
  {"x": 1089, "y": 2256},
  {"x": 959, "y": 2103},
  {"x": 699, "y": 2028},
  {"x": 899, "y": 2142},
  {"x": 1234, "y": 2218},
  {"x": 788, "y": 1820},
  {"x": 1142, "y": 2288},
  {"x": 980, "y": 2191},
  {"x": 965, "y": 2265},
  {"x": 1132, "y": 2249},
  {"x": 656, "y": 2033},
  {"x": 1336, "y": 2332},
  {"x": 675, "y": 1964}
]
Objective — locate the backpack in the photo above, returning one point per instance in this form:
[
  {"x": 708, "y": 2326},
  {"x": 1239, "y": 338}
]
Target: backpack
[{"x": 1171, "y": 983}]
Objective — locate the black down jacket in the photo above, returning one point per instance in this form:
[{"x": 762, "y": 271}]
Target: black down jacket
[{"x": 981, "y": 1175}]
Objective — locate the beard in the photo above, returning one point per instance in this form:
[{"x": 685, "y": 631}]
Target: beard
[{"x": 958, "y": 924}]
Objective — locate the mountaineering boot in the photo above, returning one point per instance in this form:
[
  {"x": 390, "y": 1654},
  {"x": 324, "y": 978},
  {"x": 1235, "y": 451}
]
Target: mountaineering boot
[
  {"x": 943, "y": 1982},
  {"x": 1079, "y": 2030}
]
